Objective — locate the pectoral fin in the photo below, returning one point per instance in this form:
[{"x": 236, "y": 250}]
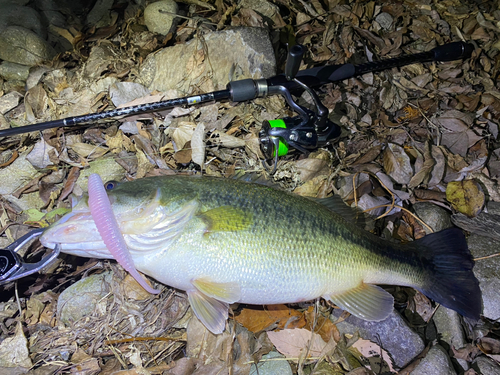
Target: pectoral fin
[
  {"x": 211, "y": 312},
  {"x": 226, "y": 292},
  {"x": 368, "y": 302}
]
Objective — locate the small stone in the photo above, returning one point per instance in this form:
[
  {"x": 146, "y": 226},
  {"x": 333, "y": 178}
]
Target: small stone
[
  {"x": 81, "y": 298},
  {"x": 268, "y": 367},
  {"x": 487, "y": 272},
  {"x": 385, "y": 20},
  {"x": 435, "y": 362},
  {"x": 434, "y": 216},
  {"x": 159, "y": 16},
  {"x": 23, "y": 46},
  {"x": 392, "y": 333}
]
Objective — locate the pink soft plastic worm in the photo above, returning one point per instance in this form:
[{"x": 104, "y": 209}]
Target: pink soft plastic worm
[{"x": 106, "y": 224}]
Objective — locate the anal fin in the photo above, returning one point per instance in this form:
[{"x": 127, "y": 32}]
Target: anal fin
[
  {"x": 211, "y": 312},
  {"x": 368, "y": 302}
]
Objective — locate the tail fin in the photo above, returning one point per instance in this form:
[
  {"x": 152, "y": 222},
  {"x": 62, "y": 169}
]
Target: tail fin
[{"x": 452, "y": 282}]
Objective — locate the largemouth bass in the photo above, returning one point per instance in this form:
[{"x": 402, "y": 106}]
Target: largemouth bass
[{"x": 224, "y": 241}]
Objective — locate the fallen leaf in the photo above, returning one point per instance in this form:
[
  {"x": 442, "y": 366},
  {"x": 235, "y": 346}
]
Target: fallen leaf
[
  {"x": 198, "y": 145},
  {"x": 397, "y": 164},
  {"x": 295, "y": 343},
  {"x": 39, "y": 157},
  {"x": 466, "y": 197},
  {"x": 257, "y": 319},
  {"x": 322, "y": 325},
  {"x": 183, "y": 134},
  {"x": 14, "y": 350},
  {"x": 379, "y": 360}
]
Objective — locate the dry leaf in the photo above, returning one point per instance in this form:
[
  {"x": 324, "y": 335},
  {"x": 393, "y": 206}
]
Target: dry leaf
[
  {"x": 397, "y": 164},
  {"x": 257, "y": 319},
  {"x": 198, "y": 145},
  {"x": 228, "y": 140},
  {"x": 323, "y": 326},
  {"x": 294, "y": 343},
  {"x": 14, "y": 350},
  {"x": 86, "y": 150},
  {"x": 374, "y": 353},
  {"x": 466, "y": 197},
  {"x": 39, "y": 157},
  {"x": 183, "y": 133}
]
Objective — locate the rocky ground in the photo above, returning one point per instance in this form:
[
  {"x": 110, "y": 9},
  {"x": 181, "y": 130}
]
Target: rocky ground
[{"x": 419, "y": 152}]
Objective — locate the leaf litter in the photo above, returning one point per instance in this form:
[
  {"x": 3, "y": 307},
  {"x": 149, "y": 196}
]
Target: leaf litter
[{"x": 424, "y": 132}]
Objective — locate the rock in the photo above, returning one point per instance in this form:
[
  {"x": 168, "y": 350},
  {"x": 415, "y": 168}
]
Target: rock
[
  {"x": 487, "y": 272},
  {"x": 392, "y": 333},
  {"x": 25, "y": 17},
  {"x": 100, "y": 15},
  {"x": 22, "y": 46},
  {"x": 48, "y": 9},
  {"x": 81, "y": 298},
  {"x": 265, "y": 8},
  {"x": 9, "y": 101},
  {"x": 435, "y": 362},
  {"x": 486, "y": 366},
  {"x": 159, "y": 16},
  {"x": 434, "y": 216},
  {"x": 493, "y": 208},
  {"x": 449, "y": 327},
  {"x": 107, "y": 168},
  {"x": 12, "y": 71},
  {"x": 183, "y": 67},
  {"x": 124, "y": 92},
  {"x": 271, "y": 367},
  {"x": 385, "y": 20},
  {"x": 16, "y": 175}
]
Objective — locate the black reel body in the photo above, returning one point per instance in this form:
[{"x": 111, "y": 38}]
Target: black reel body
[{"x": 305, "y": 132}]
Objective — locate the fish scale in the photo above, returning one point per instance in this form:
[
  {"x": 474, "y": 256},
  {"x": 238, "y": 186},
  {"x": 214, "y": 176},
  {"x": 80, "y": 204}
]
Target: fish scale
[{"x": 230, "y": 241}]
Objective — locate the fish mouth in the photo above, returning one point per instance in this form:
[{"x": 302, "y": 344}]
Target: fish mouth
[{"x": 76, "y": 234}]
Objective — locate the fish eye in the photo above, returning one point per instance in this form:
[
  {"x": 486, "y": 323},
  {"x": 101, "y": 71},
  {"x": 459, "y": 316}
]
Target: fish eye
[{"x": 110, "y": 185}]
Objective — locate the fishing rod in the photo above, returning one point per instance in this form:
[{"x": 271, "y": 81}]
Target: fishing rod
[{"x": 305, "y": 132}]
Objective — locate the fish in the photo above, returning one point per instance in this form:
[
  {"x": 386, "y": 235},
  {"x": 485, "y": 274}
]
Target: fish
[{"x": 226, "y": 241}]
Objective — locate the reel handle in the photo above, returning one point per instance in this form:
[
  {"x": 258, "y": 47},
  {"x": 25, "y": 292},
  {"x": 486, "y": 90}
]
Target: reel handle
[{"x": 293, "y": 61}]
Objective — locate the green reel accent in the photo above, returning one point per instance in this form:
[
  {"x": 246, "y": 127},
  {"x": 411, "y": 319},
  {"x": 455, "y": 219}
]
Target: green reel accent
[{"x": 283, "y": 146}]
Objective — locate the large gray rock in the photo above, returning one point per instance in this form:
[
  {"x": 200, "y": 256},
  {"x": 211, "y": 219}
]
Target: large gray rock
[
  {"x": 100, "y": 15},
  {"x": 487, "y": 272},
  {"x": 16, "y": 175},
  {"x": 11, "y": 71},
  {"x": 18, "y": 15},
  {"x": 449, "y": 326},
  {"x": 392, "y": 333},
  {"x": 23, "y": 46},
  {"x": 159, "y": 16},
  {"x": 435, "y": 362},
  {"x": 209, "y": 64},
  {"x": 81, "y": 298},
  {"x": 486, "y": 366}
]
